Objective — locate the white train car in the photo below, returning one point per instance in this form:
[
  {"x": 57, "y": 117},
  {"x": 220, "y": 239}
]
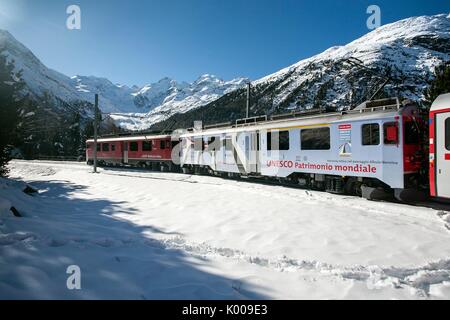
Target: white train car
[
  {"x": 439, "y": 121},
  {"x": 376, "y": 145}
]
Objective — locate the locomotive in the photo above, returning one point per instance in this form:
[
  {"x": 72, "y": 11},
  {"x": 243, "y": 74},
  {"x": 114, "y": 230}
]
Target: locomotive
[{"x": 378, "y": 150}]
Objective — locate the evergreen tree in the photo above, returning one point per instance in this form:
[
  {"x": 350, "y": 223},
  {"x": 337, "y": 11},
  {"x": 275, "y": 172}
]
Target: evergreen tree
[
  {"x": 10, "y": 85},
  {"x": 439, "y": 85}
]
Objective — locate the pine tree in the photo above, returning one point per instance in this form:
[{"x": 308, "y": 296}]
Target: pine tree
[
  {"x": 439, "y": 85},
  {"x": 10, "y": 85}
]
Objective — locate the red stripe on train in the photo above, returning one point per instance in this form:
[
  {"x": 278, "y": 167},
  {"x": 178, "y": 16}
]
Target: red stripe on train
[{"x": 432, "y": 172}]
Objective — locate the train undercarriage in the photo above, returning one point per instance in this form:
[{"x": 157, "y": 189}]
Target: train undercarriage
[{"x": 369, "y": 188}]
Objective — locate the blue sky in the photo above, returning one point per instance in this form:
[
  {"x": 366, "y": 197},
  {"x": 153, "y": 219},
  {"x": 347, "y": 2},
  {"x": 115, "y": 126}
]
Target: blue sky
[{"x": 141, "y": 41}]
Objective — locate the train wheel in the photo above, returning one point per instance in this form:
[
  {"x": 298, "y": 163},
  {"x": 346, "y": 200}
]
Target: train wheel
[
  {"x": 409, "y": 195},
  {"x": 372, "y": 193},
  {"x": 353, "y": 187},
  {"x": 185, "y": 170}
]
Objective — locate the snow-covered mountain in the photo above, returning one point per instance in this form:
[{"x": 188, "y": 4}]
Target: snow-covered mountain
[
  {"x": 39, "y": 79},
  {"x": 167, "y": 96},
  {"x": 153, "y": 102},
  {"x": 406, "y": 52},
  {"x": 112, "y": 97}
]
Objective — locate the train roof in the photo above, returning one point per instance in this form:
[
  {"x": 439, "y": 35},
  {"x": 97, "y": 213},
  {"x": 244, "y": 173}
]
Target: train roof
[
  {"x": 441, "y": 102},
  {"x": 366, "y": 110},
  {"x": 130, "y": 138}
]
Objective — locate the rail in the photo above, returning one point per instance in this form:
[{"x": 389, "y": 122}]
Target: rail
[
  {"x": 59, "y": 158},
  {"x": 250, "y": 121},
  {"x": 217, "y": 125}
]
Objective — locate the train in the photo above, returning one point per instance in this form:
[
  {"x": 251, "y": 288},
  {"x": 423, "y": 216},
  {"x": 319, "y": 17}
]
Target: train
[{"x": 380, "y": 149}]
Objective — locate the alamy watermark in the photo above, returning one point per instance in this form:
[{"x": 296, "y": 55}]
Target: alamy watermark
[
  {"x": 374, "y": 20},
  {"x": 73, "y": 21},
  {"x": 74, "y": 280}
]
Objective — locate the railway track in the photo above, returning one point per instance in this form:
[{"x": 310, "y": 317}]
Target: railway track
[{"x": 433, "y": 203}]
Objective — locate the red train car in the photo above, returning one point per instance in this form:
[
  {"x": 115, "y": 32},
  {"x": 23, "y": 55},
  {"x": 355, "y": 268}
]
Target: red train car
[{"x": 142, "y": 151}]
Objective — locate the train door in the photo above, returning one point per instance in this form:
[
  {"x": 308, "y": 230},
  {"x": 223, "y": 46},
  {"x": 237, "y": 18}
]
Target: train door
[
  {"x": 228, "y": 150},
  {"x": 187, "y": 150},
  {"x": 248, "y": 150},
  {"x": 125, "y": 153},
  {"x": 251, "y": 144},
  {"x": 256, "y": 143},
  {"x": 213, "y": 146},
  {"x": 221, "y": 152},
  {"x": 442, "y": 160}
]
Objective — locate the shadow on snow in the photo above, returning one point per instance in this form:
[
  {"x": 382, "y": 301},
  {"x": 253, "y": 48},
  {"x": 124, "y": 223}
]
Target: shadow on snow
[{"x": 118, "y": 259}]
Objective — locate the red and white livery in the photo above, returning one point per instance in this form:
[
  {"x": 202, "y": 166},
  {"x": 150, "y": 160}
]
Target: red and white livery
[
  {"x": 375, "y": 150},
  {"x": 440, "y": 147},
  {"x": 374, "y": 145},
  {"x": 152, "y": 151}
]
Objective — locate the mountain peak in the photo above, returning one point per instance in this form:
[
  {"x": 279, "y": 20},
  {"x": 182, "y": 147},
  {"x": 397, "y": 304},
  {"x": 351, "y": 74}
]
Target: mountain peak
[
  {"x": 208, "y": 79},
  {"x": 208, "y": 76},
  {"x": 10, "y": 44},
  {"x": 165, "y": 80}
]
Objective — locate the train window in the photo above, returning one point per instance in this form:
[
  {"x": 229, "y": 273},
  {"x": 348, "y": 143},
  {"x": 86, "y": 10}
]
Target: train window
[
  {"x": 447, "y": 134},
  {"x": 412, "y": 134},
  {"x": 134, "y": 146},
  {"x": 146, "y": 146},
  {"x": 211, "y": 140},
  {"x": 370, "y": 134},
  {"x": 315, "y": 139},
  {"x": 390, "y": 130},
  {"x": 105, "y": 147},
  {"x": 98, "y": 147},
  {"x": 283, "y": 140},
  {"x": 212, "y": 144},
  {"x": 162, "y": 144},
  {"x": 228, "y": 145},
  {"x": 198, "y": 144},
  {"x": 113, "y": 147}
]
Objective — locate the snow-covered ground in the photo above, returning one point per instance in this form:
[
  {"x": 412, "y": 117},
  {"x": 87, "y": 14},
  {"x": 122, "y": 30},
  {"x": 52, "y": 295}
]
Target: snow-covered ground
[{"x": 148, "y": 235}]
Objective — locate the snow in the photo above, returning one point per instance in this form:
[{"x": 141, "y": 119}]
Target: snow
[
  {"x": 5, "y": 205},
  {"x": 145, "y": 235}
]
